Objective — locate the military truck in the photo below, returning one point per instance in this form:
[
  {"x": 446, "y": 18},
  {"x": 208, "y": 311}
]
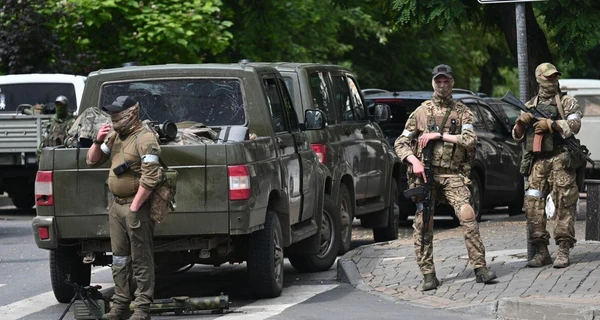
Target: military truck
[
  {"x": 364, "y": 167},
  {"x": 251, "y": 191},
  {"x": 21, "y": 128}
]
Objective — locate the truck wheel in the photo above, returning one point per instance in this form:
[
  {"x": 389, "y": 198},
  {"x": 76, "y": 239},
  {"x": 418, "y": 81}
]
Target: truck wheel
[
  {"x": 24, "y": 202},
  {"x": 65, "y": 261},
  {"x": 265, "y": 259},
  {"x": 346, "y": 210},
  {"x": 329, "y": 243},
  {"x": 391, "y": 231},
  {"x": 476, "y": 195},
  {"x": 516, "y": 207}
]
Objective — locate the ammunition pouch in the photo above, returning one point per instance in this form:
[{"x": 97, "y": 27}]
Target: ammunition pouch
[
  {"x": 162, "y": 199},
  {"x": 526, "y": 163}
]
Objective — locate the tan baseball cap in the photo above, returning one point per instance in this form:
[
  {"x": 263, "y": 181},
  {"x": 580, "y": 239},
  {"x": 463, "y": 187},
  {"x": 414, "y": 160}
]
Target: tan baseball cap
[{"x": 546, "y": 69}]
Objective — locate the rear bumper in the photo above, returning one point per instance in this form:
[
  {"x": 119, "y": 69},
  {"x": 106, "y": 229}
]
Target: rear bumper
[
  {"x": 44, "y": 221},
  {"x": 177, "y": 225}
]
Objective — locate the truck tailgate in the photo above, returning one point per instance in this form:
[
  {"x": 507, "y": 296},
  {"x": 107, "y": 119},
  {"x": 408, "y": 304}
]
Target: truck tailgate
[
  {"x": 21, "y": 133},
  {"x": 82, "y": 195}
]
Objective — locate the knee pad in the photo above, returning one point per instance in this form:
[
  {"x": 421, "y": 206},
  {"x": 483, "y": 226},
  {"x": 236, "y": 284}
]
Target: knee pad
[{"x": 467, "y": 214}]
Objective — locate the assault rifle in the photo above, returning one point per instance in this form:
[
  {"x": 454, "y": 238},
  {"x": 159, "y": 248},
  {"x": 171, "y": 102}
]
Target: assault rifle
[
  {"x": 424, "y": 191},
  {"x": 570, "y": 142},
  {"x": 91, "y": 298}
]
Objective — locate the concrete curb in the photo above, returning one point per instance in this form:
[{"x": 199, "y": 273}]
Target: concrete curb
[
  {"x": 505, "y": 308},
  {"x": 5, "y": 201}
]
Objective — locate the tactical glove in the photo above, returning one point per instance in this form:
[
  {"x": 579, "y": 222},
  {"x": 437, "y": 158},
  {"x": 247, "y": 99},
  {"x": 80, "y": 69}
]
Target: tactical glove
[
  {"x": 542, "y": 126},
  {"x": 525, "y": 118}
]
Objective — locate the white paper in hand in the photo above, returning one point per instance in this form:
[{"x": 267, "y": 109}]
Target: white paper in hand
[{"x": 549, "y": 207}]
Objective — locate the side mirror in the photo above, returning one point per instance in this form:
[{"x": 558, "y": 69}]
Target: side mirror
[
  {"x": 314, "y": 119},
  {"x": 382, "y": 112}
]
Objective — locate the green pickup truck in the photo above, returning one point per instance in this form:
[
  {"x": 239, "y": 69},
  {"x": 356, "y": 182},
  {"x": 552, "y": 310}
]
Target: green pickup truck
[{"x": 250, "y": 191}]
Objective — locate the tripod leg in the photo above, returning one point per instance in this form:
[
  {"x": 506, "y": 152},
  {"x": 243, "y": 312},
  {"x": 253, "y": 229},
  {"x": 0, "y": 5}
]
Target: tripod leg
[{"x": 68, "y": 307}]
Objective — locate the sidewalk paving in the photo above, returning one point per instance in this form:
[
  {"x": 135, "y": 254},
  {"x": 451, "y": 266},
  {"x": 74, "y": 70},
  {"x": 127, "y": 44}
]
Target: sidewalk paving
[{"x": 390, "y": 270}]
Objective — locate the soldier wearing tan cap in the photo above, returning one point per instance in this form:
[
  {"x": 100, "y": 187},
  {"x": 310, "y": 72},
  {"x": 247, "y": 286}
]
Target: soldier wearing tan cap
[{"x": 549, "y": 166}]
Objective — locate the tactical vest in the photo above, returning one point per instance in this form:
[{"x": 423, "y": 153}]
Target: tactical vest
[
  {"x": 58, "y": 131},
  {"x": 549, "y": 142},
  {"x": 445, "y": 154}
]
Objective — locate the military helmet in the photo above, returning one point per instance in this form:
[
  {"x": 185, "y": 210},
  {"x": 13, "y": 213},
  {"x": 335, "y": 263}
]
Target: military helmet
[
  {"x": 546, "y": 69},
  {"x": 62, "y": 100}
]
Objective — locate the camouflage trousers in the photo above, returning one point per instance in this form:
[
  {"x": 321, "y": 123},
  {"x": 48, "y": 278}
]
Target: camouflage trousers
[
  {"x": 133, "y": 254},
  {"x": 549, "y": 176},
  {"x": 450, "y": 189}
]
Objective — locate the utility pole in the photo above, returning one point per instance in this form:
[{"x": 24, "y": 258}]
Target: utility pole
[{"x": 522, "y": 62}]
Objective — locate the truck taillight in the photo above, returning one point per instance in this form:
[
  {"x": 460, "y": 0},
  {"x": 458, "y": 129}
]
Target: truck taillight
[
  {"x": 321, "y": 151},
  {"x": 239, "y": 182},
  {"x": 44, "y": 195}
]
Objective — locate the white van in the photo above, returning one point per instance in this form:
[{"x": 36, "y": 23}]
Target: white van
[{"x": 587, "y": 93}]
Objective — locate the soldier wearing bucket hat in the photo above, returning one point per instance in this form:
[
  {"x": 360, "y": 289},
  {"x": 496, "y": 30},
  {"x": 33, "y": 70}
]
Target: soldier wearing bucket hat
[{"x": 550, "y": 167}]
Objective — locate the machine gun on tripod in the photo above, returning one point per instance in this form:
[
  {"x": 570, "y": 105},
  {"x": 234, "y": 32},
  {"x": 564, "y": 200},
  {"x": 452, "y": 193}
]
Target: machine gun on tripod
[{"x": 94, "y": 304}]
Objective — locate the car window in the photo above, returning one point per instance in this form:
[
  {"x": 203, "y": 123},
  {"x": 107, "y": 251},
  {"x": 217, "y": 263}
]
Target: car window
[
  {"x": 492, "y": 123},
  {"x": 275, "y": 105},
  {"x": 357, "y": 103},
  {"x": 589, "y": 104},
  {"x": 292, "y": 117},
  {"x": 342, "y": 98},
  {"x": 319, "y": 93},
  {"x": 213, "y": 102}
]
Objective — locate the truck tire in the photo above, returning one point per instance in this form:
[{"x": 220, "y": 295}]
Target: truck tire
[
  {"x": 24, "y": 202},
  {"x": 329, "y": 243},
  {"x": 64, "y": 261},
  {"x": 390, "y": 232},
  {"x": 265, "y": 259},
  {"x": 345, "y": 207}
]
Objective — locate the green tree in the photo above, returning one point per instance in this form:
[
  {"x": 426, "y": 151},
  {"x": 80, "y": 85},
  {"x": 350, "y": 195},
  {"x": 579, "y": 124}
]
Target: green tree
[
  {"x": 27, "y": 43},
  {"x": 573, "y": 28},
  {"x": 106, "y": 33}
]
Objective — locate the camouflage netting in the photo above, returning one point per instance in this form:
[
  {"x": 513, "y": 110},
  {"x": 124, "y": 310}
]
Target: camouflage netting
[{"x": 188, "y": 133}]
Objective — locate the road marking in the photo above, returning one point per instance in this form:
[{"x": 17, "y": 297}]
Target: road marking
[
  {"x": 266, "y": 308},
  {"x": 2, "y": 285},
  {"x": 34, "y": 304}
]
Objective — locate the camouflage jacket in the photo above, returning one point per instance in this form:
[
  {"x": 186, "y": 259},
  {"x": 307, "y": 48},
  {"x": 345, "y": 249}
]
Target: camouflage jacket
[
  {"x": 56, "y": 132},
  {"x": 570, "y": 125},
  {"x": 428, "y": 117}
]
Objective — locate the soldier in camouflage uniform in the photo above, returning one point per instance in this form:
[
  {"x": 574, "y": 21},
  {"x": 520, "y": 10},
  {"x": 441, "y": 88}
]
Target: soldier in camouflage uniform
[
  {"x": 448, "y": 124},
  {"x": 131, "y": 229},
  {"x": 549, "y": 166},
  {"x": 56, "y": 131}
]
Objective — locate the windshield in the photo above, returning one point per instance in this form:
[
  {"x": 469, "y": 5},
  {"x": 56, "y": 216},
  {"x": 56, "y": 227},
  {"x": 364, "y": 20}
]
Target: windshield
[
  {"x": 12, "y": 95},
  {"x": 213, "y": 102},
  {"x": 590, "y": 105}
]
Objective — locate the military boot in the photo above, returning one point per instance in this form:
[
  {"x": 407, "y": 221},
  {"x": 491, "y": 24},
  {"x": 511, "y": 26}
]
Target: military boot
[
  {"x": 541, "y": 258},
  {"x": 484, "y": 275},
  {"x": 140, "y": 314},
  {"x": 117, "y": 313},
  {"x": 562, "y": 256},
  {"x": 430, "y": 282}
]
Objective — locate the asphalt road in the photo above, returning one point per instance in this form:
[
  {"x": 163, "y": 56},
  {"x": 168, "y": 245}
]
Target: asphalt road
[{"x": 26, "y": 293}]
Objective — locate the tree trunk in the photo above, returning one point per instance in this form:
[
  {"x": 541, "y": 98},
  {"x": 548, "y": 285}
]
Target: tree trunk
[{"x": 537, "y": 45}]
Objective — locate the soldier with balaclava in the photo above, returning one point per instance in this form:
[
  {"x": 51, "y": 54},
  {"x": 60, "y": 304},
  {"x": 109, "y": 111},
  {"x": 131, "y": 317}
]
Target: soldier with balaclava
[
  {"x": 56, "y": 131},
  {"x": 549, "y": 166},
  {"x": 448, "y": 125}
]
